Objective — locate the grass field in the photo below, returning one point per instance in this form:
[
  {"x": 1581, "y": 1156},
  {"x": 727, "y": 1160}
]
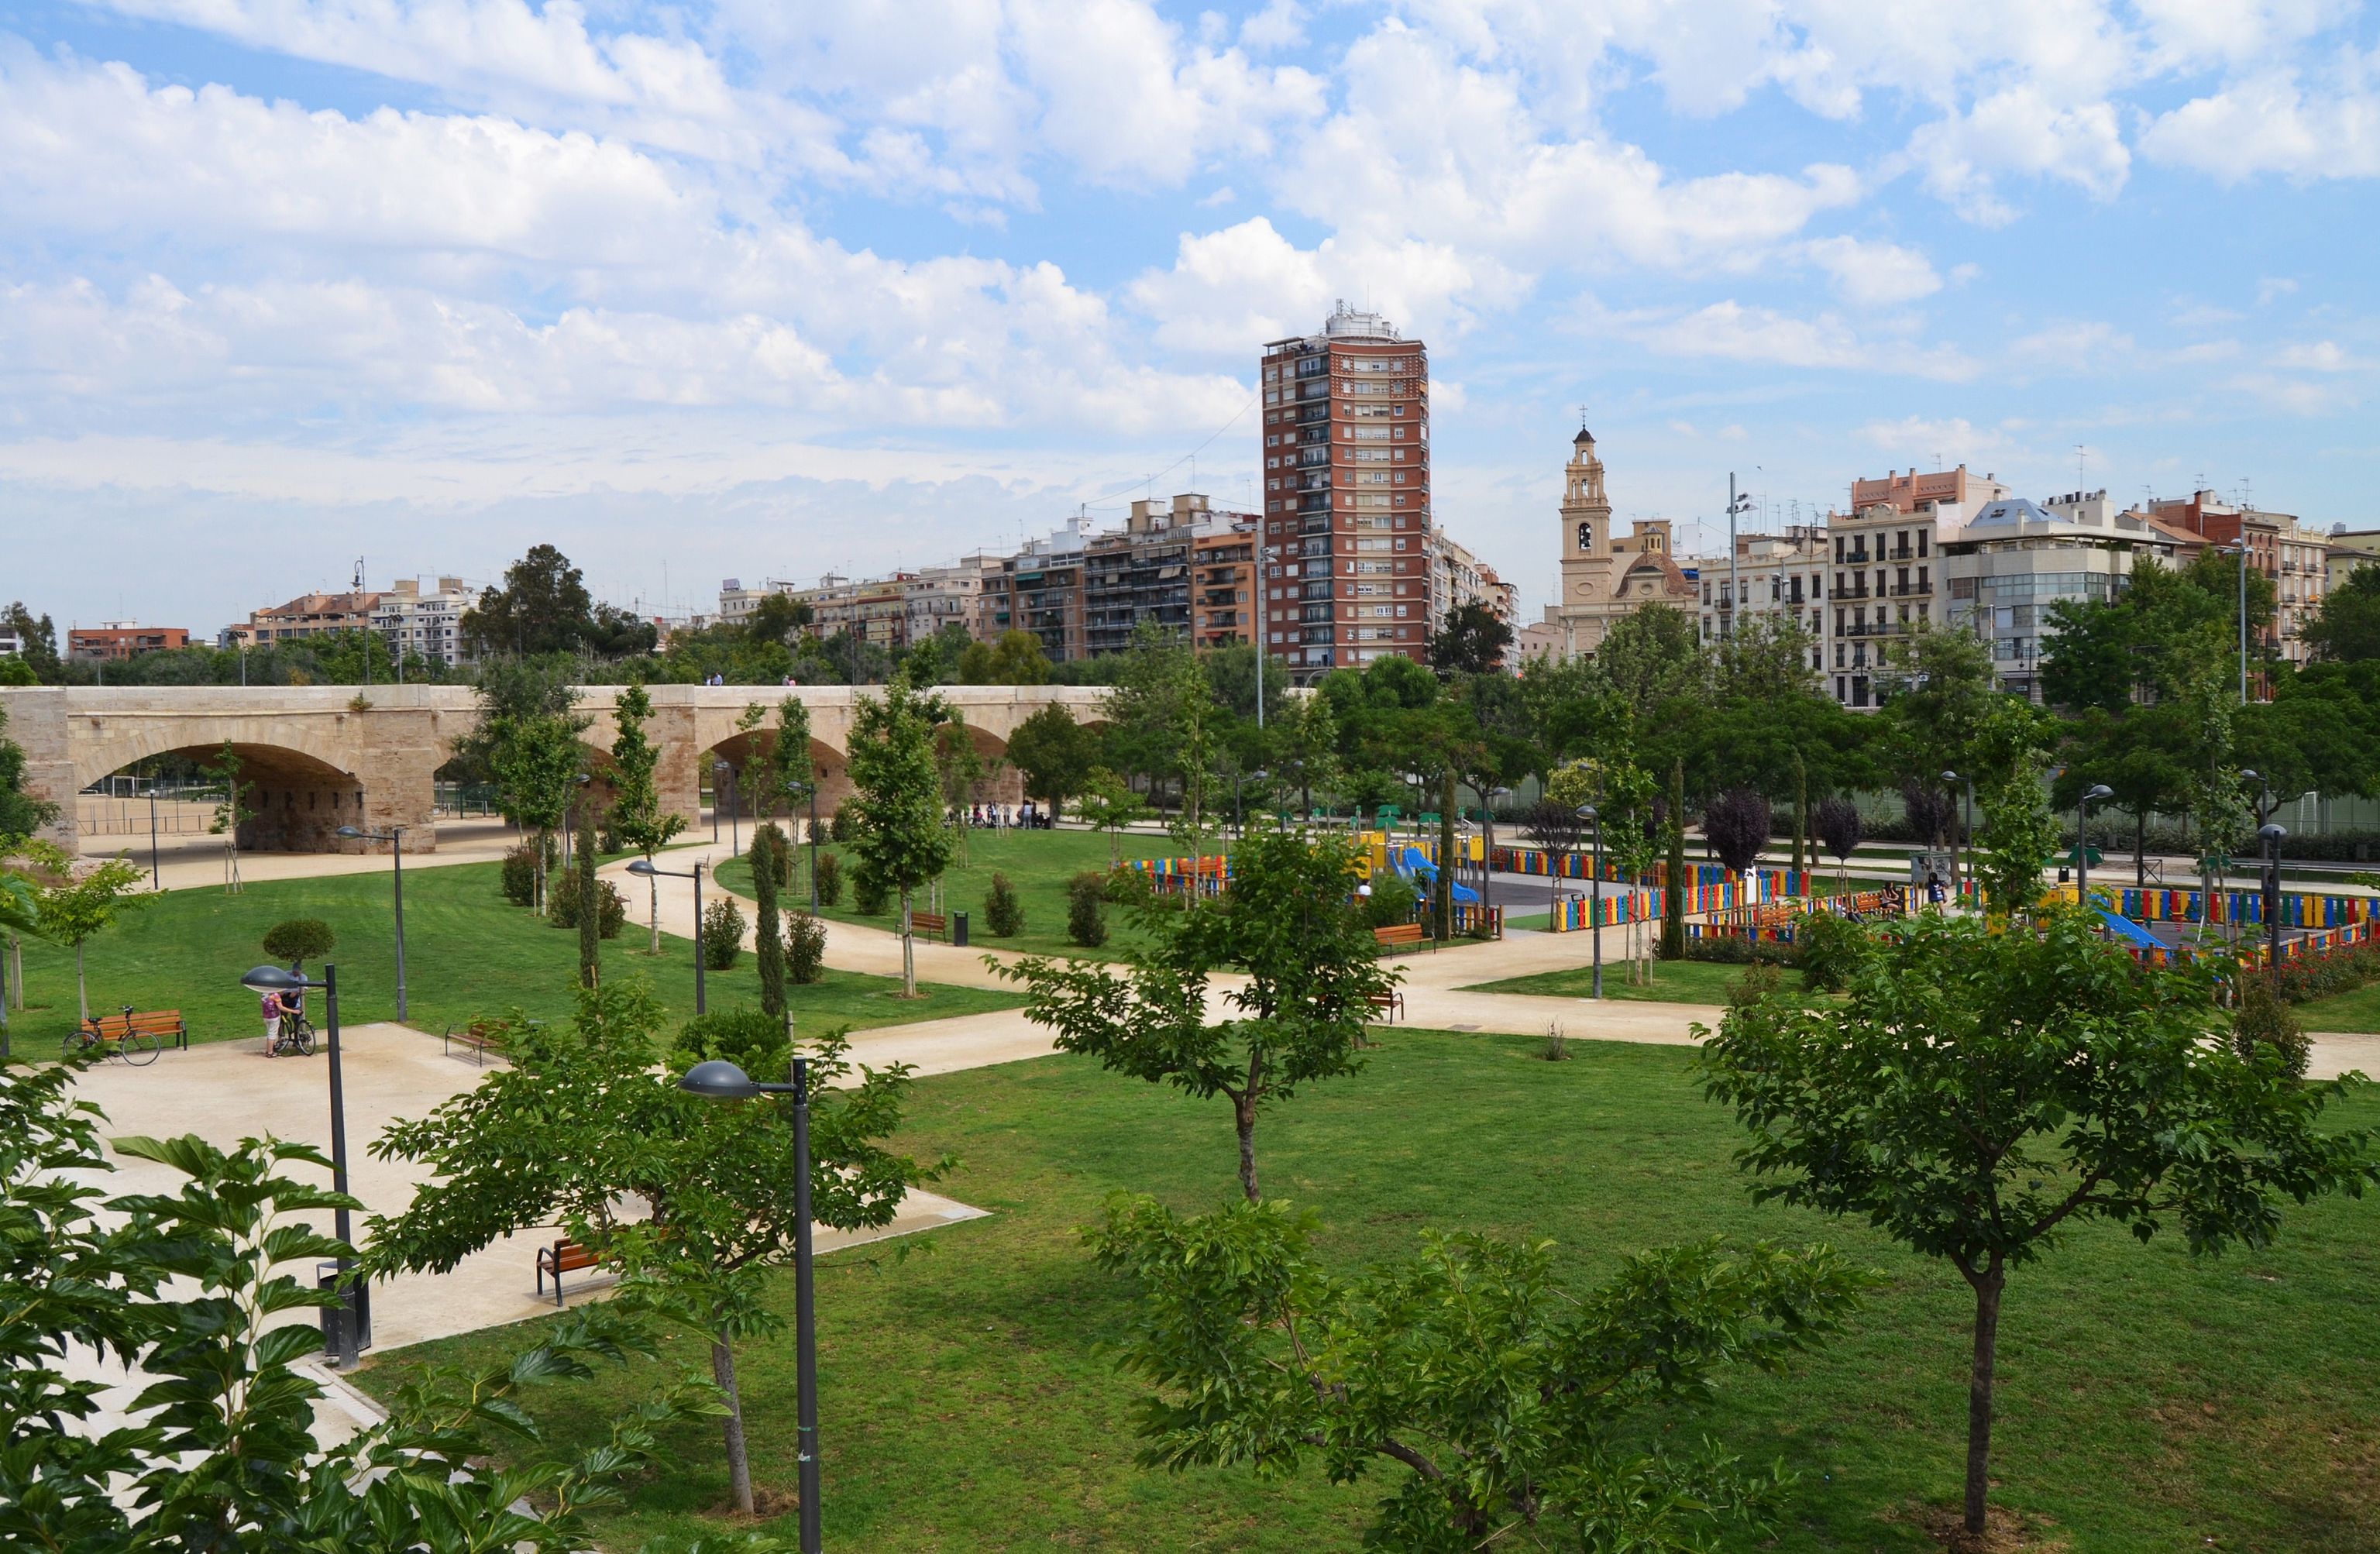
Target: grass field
[
  {"x": 2150, "y": 1401},
  {"x": 2357, "y": 1011},
  {"x": 1037, "y": 863},
  {"x": 469, "y": 953},
  {"x": 1673, "y": 982}
]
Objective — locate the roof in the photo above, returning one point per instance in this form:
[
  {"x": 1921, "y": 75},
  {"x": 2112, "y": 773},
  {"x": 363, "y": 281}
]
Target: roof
[{"x": 2011, "y": 511}]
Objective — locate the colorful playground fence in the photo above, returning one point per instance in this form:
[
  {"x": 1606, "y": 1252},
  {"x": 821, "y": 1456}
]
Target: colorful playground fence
[{"x": 1206, "y": 876}]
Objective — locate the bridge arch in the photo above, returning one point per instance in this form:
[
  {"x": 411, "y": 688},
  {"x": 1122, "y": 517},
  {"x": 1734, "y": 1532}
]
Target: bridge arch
[{"x": 292, "y": 800}]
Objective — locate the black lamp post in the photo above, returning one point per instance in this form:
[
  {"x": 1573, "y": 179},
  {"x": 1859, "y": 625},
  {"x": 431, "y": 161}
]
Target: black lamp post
[
  {"x": 645, "y": 866},
  {"x": 2272, "y": 836},
  {"x": 2263, "y": 793},
  {"x": 2082, "y": 840},
  {"x": 355, "y": 1332},
  {"x": 394, "y": 836},
  {"x": 1595, "y": 899},
  {"x": 1961, "y": 864},
  {"x": 719, "y": 1080}
]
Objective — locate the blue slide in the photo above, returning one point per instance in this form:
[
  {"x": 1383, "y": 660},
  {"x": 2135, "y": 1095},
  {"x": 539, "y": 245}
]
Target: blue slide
[
  {"x": 2130, "y": 929},
  {"x": 1416, "y": 865}
]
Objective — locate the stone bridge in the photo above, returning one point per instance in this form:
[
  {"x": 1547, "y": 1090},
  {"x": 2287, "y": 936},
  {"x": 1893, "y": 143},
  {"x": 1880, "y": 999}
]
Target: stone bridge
[{"x": 323, "y": 757}]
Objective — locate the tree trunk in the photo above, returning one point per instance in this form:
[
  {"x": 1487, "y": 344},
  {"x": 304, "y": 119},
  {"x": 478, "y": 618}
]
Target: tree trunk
[
  {"x": 653, "y": 891},
  {"x": 1979, "y": 1392},
  {"x": 2141, "y": 848},
  {"x": 908, "y": 950},
  {"x": 1244, "y": 1113},
  {"x": 739, "y": 1461},
  {"x": 83, "y": 997}
]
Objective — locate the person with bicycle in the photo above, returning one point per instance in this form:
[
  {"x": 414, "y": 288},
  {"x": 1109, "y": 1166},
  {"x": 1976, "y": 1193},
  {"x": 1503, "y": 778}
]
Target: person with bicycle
[{"x": 269, "y": 1006}]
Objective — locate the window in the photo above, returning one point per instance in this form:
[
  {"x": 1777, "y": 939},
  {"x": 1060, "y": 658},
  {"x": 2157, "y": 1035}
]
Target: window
[{"x": 1923, "y": 535}]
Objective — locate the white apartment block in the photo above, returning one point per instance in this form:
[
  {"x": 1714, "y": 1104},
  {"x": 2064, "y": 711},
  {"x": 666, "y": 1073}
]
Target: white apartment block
[
  {"x": 2015, "y": 559},
  {"x": 939, "y": 597},
  {"x": 427, "y": 625},
  {"x": 1780, "y": 575},
  {"x": 1457, "y": 577}
]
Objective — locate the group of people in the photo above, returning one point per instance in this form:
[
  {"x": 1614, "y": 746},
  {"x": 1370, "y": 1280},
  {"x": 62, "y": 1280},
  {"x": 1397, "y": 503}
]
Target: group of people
[
  {"x": 277, "y": 1007},
  {"x": 1028, "y": 816}
]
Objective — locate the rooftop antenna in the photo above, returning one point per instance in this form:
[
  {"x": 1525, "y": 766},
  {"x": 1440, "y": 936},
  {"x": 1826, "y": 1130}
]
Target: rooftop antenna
[{"x": 2077, "y": 467}]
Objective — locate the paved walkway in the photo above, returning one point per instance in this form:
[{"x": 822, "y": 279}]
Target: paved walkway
[{"x": 197, "y": 862}]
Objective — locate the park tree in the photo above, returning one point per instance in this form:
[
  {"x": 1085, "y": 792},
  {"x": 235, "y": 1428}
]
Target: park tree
[
  {"x": 2144, "y": 753},
  {"x": 528, "y": 738},
  {"x": 638, "y": 817},
  {"x": 1673, "y": 896},
  {"x": 2347, "y": 628},
  {"x": 21, "y": 813},
  {"x": 1553, "y": 823},
  {"x": 1017, "y": 659},
  {"x": 588, "y": 1116},
  {"x": 902, "y": 842},
  {"x": 1109, "y": 803},
  {"x": 1737, "y": 825},
  {"x": 959, "y": 768},
  {"x": 297, "y": 941},
  {"x": 1840, "y": 830},
  {"x": 40, "y": 636},
  {"x": 1651, "y": 656},
  {"x": 1938, "y": 687},
  {"x": 1054, "y": 754},
  {"x": 231, "y": 810},
  {"x": 191, "y": 1289},
  {"x": 1981, "y": 1094},
  {"x": 1471, "y": 641},
  {"x": 587, "y": 906},
  {"x": 543, "y": 607},
  {"x": 771, "y": 856},
  {"x": 1288, "y": 925},
  {"x": 78, "y": 907},
  {"x": 1511, "y": 1412},
  {"x": 790, "y": 769},
  {"x": 2019, "y": 832}
]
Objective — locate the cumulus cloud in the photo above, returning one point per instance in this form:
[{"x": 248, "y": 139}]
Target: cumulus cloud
[
  {"x": 2272, "y": 122},
  {"x": 2019, "y": 131},
  {"x": 1874, "y": 274},
  {"x": 1733, "y": 331}
]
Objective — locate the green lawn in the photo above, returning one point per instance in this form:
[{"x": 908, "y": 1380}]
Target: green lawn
[
  {"x": 1673, "y": 981},
  {"x": 1037, "y": 863},
  {"x": 2357, "y": 1011},
  {"x": 468, "y": 953},
  {"x": 2150, "y": 1401}
]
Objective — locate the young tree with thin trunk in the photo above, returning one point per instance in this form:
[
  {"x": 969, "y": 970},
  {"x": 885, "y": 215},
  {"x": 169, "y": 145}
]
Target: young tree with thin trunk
[
  {"x": 1289, "y": 924},
  {"x": 902, "y": 841},
  {"x": 1109, "y": 803},
  {"x": 1841, "y": 828},
  {"x": 231, "y": 810},
  {"x": 960, "y": 767},
  {"x": 588, "y": 1117},
  {"x": 1673, "y": 896},
  {"x": 638, "y": 817},
  {"x": 79, "y": 907},
  {"x": 1981, "y": 1093}
]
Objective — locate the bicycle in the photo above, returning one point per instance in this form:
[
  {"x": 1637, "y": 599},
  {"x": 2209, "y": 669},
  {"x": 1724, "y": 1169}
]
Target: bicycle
[
  {"x": 296, "y": 1038},
  {"x": 135, "y": 1047}
]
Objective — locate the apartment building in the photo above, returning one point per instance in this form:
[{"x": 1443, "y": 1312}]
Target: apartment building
[
  {"x": 2004, "y": 568},
  {"x": 833, "y": 602},
  {"x": 1886, "y": 570},
  {"x": 1039, "y": 589},
  {"x": 1347, "y": 495},
  {"x": 2296, "y": 558},
  {"x": 310, "y": 614},
  {"x": 2349, "y": 548},
  {"x": 426, "y": 625},
  {"x": 1226, "y": 595},
  {"x": 1458, "y": 579},
  {"x": 937, "y": 598},
  {"x": 114, "y": 641},
  {"x": 1778, "y": 574}
]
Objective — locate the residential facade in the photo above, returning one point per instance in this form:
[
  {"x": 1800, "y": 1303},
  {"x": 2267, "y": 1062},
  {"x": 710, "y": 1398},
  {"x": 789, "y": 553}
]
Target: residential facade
[
  {"x": 311, "y": 614},
  {"x": 1226, "y": 594},
  {"x": 1778, "y": 574},
  {"x": 426, "y": 625},
  {"x": 1039, "y": 591},
  {"x": 116, "y": 640},
  {"x": 1347, "y": 495},
  {"x": 2294, "y": 557},
  {"x": 2014, "y": 559},
  {"x": 1886, "y": 570},
  {"x": 938, "y": 598},
  {"x": 1458, "y": 579},
  {"x": 2349, "y": 548},
  {"x": 1603, "y": 578}
]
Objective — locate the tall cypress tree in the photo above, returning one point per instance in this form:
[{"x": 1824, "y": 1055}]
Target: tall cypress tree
[
  {"x": 767, "y": 858},
  {"x": 1674, "y": 898},
  {"x": 590, "y": 917}
]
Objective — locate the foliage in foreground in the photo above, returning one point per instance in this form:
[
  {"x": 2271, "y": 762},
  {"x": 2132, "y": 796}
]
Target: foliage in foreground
[
  {"x": 188, "y": 1288},
  {"x": 1978, "y": 1094},
  {"x": 1513, "y": 1412}
]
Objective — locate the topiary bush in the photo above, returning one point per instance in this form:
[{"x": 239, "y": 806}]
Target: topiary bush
[
  {"x": 868, "y": 896},
  {"x": 722, "y": 933},
  {"x": 1003, "y": 914},
  {"x": 562, "y": 907},
  {"x": 830, "y": 879},
  {"x": 845, "y": 825},
  {"x": 297, "y": 941},
  {"x": 520, "y": 872},
  {"x": 1087, "y": 908},
  {"x": 805, "y": 948}
]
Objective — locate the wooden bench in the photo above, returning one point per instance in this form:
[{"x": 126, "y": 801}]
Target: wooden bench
[
  {"x": 157, "y": 1023},
  {"x": 1391, "y": 1003},
  {"x": 564, "y": 1256},
  {"x": 933, "y": 925},
  {"x": 483, "y": 1037},
  {"x": 1402, "y": 935}
]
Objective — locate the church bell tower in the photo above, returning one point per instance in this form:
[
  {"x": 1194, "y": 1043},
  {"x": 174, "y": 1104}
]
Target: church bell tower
[{"x": 1587, "y": 555}]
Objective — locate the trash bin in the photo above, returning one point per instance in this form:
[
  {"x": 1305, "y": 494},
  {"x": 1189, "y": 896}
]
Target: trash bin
[
  {"x": 958, "y": 930},
  {"x": 336, "y": 1318}
]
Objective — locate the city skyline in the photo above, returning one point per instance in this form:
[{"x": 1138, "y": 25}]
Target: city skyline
[{"x": 430, "y": 283}]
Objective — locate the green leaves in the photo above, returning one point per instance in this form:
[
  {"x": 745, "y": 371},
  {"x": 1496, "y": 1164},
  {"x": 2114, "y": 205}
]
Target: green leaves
[{"x": 1505, "y": 1405}]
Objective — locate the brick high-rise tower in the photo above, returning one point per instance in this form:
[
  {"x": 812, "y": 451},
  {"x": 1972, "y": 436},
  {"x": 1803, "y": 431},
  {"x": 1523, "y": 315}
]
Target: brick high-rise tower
[{"x": 1346, "y": 509}]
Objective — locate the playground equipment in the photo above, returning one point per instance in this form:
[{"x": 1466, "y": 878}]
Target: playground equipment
[{"x": 1413, "y": 864}]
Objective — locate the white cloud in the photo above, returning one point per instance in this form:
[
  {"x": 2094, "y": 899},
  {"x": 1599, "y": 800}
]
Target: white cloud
[
  {"x": 2321, "y": 356},
  {"x": 2019, "y": 131},
  {"x": 1872, "y": 274},
  {"x": 1735, "y": 333},
  {"x": 2271, "y": 123}
]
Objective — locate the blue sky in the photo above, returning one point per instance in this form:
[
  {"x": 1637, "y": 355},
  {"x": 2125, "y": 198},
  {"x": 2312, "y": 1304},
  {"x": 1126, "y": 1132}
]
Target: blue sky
[{"x": 753, "y": 289}]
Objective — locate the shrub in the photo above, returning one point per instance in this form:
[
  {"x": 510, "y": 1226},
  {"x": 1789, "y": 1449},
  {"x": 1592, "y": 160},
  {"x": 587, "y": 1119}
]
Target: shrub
[
  {"x": 1760, "y": 981},
  {"x": 748, "y": 1035},
  {"x": 722, "y": 933},
  {"x": 1003, "y": 914},
  {"x": 868, "y": 894},
  {"x": 830, "y": 879},
  {"x": 805, "y": 948},
  {"x": 845, "y": 825},
  {"x": 1087, "y": 915},
  {"x": 520, "y": 871},
  {"x": 2342, "y": 971},
  {"x": 1393, "y": 900},
  {"x": 2263, "y": 1020},
  {"x": 562, "y": 905},
  {"x": 1828, "y": 949},
  {"x": 783, "y": 855},
  {"x": 300, "y": 939},
  {"x": 1733, "y": 948}
]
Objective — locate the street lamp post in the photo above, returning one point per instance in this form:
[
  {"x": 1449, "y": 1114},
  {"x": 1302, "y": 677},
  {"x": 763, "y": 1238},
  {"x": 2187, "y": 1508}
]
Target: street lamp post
[
  {"x": 156, "y": 877},
  {"x": 394, "y": 836},
  {"x": 354, "y": 1331},
  {"x": 1594, "y": 898},
  {"x": 2263, "y": 794},
  {"x": 2271, "y": 837},
  {"x": 1960, "y": 863},
  {"x": 645, "y": 866},
  {"x": 2082, "y": 840},
  {"x": 719, "y": 1080}
]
